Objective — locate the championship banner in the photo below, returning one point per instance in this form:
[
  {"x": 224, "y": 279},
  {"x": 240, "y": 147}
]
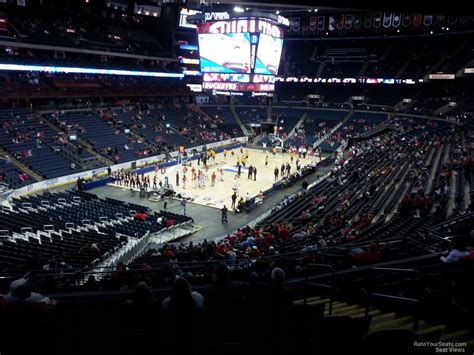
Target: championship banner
[
  {"x": 452, "y": 20},
  {"x": 332, "y": 23},
  {"x": 397, "y": 19},
  {"x": 368, "y": 20},
  {"x": 406, "y": 20},
  {"x": 296, "y": 24},
  {"x": 349, "y": 21},
  {"x": 377, "y": 19},
  {"x": 304, "y": 26},
  {"x": 321, "y": 23},
  {"x": 357, "y": 21},
  {"x": 291, "y": 24},
  {"x": 428, "y": 20},
  {"x": 387, "y": 20},
  {"x": 417, "y": 20},
  {"x": 340, "y": 23},
  {"x": 313, "y": 22}
]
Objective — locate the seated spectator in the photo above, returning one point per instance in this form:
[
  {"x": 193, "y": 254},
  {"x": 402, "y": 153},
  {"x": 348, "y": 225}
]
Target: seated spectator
[
  {"x": 94, "y": 248},
  {"x": 183, "y": 299},
  {"x": 169, "y": 222},
  {"x": 281, "y": 295},
  {"x": 141, "y": 216},
  {"x": 455, "y": 255}
]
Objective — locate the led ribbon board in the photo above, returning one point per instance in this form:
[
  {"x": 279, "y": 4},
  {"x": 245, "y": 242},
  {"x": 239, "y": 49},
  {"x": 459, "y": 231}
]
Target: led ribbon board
[{"x": 75, "y": 70}]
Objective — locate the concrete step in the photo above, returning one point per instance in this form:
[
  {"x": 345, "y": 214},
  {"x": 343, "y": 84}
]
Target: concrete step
[
  {"x": 454, "y": 336},
  {"x": 342, "y": 310},
  {"x": 312, "y": 300},
  {"x": 383, "y": 317},
  {"x": 392, "y": 323},
  {"x": 355, "y": 312},
  {"x": 432, "y": 329}
]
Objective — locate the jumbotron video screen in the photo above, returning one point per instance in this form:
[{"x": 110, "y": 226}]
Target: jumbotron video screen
[{"x": 240, "y": 55}]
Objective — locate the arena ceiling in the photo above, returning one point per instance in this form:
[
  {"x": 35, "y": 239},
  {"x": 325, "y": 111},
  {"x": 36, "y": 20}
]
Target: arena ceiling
[{"x": 454, "y": 7}]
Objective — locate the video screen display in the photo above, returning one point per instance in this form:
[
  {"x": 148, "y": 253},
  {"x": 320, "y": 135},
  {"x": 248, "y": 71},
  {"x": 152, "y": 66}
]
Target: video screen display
[
  {"x": 268, "y": 55},
  {"x": 224, "y": 77},
  {"x": 225, "y": 53},
  {"x": 256, "y": 87},
  {"x": 259, "y": 78}
]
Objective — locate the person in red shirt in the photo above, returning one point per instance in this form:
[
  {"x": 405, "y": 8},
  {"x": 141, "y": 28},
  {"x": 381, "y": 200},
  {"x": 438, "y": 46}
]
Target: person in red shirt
[
  {"x": 169, "y": 222},
  {"x": 268, "y": 238},
  {"x": 221, "y": 250},
  {"x": 141, "y": 216},
  {"x": 284, "y": 233},
  {"x": 255, "y": 252},
  {"x": 421, "y": 202},
  {"x": 168, "y": 253}
]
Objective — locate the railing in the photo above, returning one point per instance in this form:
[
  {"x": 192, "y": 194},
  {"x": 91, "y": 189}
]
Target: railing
[
  {"x": 331, "y": 286},
  {"x": 369, "y": 297}
]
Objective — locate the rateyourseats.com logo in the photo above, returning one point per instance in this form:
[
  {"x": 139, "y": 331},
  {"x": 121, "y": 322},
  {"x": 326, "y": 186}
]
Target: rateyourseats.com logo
[{"x": 442, "y": 347}]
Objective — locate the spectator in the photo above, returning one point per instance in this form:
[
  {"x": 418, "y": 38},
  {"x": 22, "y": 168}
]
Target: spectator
[
  {"x": 455, "y": 255},
  {"x": 94, "y": 248},
  {"x": 183, "y": 299},
  {"x": 141, "y": 216},
  {"x": 281, "y": 295}
]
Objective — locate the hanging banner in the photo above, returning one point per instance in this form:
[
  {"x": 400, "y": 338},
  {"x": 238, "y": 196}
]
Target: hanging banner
[
  {"x": 349, "y": 21},
  {"x": 377, "y": 19},
  {"x": 417, "y": 20},
  {"x": 406, "y": 20},
  {"x": 397, "y": 18},
  {"x": 387, "y": 20},
  {"x": 452, "y": 20},
  {"x": 357, "y": 21},
  {"x": 313, "y": 22},
  {"x": 296, "y": 24},
  {"x": 340, "y": 23},
  {"x": 368, "y": 20},
  {"x": 321, "y": 23},
  {"x": 332, "y": 23},
  {"x": 428, "y": 20}
]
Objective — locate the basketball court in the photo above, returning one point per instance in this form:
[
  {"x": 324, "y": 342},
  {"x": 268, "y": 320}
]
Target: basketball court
[{"x": 220, "y": 194}]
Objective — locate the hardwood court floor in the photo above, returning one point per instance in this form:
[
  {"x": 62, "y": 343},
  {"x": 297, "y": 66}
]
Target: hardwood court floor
[{"x": 219, "y": 195}]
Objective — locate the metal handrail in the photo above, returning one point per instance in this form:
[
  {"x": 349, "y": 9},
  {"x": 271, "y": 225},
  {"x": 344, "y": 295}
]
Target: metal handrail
[
  {"x": 369, "y": 296},
  {"x": 332, "y": 285},
  {"x": 396, "y": 270}
]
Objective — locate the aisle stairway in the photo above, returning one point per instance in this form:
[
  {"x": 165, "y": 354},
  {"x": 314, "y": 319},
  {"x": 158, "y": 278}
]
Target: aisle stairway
[{"x": 382, "y": 320}]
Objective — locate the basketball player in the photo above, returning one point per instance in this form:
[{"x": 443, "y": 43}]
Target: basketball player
[
  {"x": 213, "y": 178},
  {"x": 184, "y": 181},
  {"x": 225, "y": 153},
  {"x": 266, "y": 161}
]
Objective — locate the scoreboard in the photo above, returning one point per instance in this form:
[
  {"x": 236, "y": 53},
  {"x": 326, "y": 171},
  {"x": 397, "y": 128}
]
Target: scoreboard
[{"x": 239, "y": 53}]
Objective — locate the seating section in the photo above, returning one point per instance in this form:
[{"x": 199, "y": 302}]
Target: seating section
[
  {"x": 286, "y": 118},
  {"x": 250, "y": 115},
  {"x": 85, "y": 32},
  {"x": 11, "y": 177},
  {"x": 375, "y": 58},
  {"x": 64, "y": 225},
  {"x": 228, "y": 125},
  {"x": 33, "y": 143},
  {"x": 103, "y": 132}
]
